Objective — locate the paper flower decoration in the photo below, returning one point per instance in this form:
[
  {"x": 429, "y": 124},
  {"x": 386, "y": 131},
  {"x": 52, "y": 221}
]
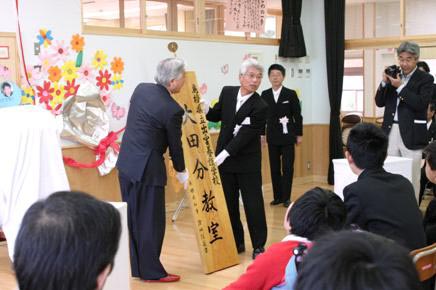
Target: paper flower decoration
[
  {"x": 86, "y": 73},
  {"x": 103, "y": 80},
  {"x": 44, "y": 37},
  {"x": 77, "y": 43},
  {"x": 33, "y": 74},
  {"x": 117, "y": 82},
  {"x": 60, "y": 52},
  {"x": 71, "y": 88},
  {"x": 5, "y": 72},
  {"x": 69, "y": 70},
  {"x": 28, "y": 97},
  {"x": 58, "y": 98},
  {"x": 117, "y": 65},
  {"x": 45, "y": 92},
  {"x": 46, "y": 59},
  {"x": 117, "y": 111},
  {"x": 105, "y": 96},
  {"x": 54, "y": 74},
  {"x": 99, "y": 60}
]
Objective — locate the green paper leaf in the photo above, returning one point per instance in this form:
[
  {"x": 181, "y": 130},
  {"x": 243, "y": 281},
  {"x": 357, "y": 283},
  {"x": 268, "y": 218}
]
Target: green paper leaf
[{"x": 79, "y": 59}]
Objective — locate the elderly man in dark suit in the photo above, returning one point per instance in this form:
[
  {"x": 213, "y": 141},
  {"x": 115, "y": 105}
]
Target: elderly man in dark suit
[
  {"x": 153, "y": 125},
  {"x": 380, "y": 202},
  {"x": 284, "y": 129},
  {"x": 242, "y": 114},
  {"x": 405, "y": 97}
]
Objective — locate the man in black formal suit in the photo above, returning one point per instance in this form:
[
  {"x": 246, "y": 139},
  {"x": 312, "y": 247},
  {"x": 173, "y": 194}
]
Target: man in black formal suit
[
  {"x": 153, "y": 125},
  {"x": 405, "y": 98},
  {"x": 284, "y": 129},
  {"x": 380, "y": 202},
  {"x": 242, "y": 113}
]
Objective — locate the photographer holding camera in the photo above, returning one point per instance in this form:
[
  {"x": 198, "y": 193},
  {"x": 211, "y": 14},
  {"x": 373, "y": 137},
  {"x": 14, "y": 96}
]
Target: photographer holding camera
[{"x": 405, "y": 92}]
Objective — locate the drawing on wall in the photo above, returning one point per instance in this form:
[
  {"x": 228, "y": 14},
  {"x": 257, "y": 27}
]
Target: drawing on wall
[
  {"x": 225, "y": 69},
  {"x": 5, "y": 72},
  {"x": 4, "y": 52},
  {"x": 203, "y": 89}
]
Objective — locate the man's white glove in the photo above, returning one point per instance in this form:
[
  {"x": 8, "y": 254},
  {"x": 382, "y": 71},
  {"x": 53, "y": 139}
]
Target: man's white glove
[
  {"x": 204, "y": 105},
  {"x": 183, "y": 177},
  {"x": 236, "y": 129},
  {"x": 221, "y": 157}
]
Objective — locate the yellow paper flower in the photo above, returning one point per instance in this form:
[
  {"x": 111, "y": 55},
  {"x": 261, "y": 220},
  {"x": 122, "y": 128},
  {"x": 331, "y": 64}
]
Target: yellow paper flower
[
  {"x": 117, "y": 82},
  {"x": 99, "y": 60},
  {"x": 69, "y": 70},
  {"x": 58, "y": 95}
]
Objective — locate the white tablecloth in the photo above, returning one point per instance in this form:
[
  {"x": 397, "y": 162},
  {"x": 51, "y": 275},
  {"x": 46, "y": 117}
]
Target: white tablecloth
[
  {"x": 344, "y": 175},
  {"x": 31, "y": 166},
  {"x": 119, "y": 279}
]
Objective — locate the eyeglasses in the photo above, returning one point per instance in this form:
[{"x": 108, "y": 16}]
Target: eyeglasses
[{"x": 253, "y": 76}]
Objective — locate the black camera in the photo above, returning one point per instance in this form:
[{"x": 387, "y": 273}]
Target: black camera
[{"x": 393, "y": 71}]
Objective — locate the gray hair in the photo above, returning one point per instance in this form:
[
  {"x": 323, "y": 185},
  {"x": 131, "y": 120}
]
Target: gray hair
[
  {"x": 169, "y": 69},
  {"x": 410, "y": 47},
  {"x": 250, "y": 62}
]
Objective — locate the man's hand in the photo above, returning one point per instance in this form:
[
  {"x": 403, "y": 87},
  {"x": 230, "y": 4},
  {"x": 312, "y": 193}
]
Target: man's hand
[
  {"x": 204, "y": 104},
  {"x": 395, "y": 82},
  {"x": 219, "y": 159},
  {"x": 299, "y": 139},
  {"x": 183, "y": 178}
]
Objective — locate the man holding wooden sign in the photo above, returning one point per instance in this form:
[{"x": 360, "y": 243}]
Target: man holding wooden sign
[
  {"x": 153, "y": 124},
  {"x": 242, "y": 113}
]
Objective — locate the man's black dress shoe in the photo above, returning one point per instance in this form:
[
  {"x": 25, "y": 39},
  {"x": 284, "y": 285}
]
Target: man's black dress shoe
[
  {"x": 258, "y": 251},
  {"x": 241, "y": 248},
  {"x": 275, "y": 202},
  {"x": 286, "y": 203}
]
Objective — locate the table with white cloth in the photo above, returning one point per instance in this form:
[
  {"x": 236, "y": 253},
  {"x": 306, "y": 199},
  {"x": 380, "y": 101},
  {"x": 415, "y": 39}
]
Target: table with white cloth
[
  {"x": 344, "y": 175},
  {"x": 31, "y": 166}
]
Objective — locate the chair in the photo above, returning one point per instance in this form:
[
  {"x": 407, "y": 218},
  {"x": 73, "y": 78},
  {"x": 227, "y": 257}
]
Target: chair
[
  {"x": 425, "y": 261},
  {"x": 348, "y": 121}
]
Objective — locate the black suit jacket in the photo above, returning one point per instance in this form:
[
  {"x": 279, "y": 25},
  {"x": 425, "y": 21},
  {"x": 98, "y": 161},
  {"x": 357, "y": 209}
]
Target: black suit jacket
[
  {"x": 287, "y": 105},
  {"x": 431, "y": 132},
  {"x": 412, "y": 108},
  {"x": 384, "y": 203},
  {"x": 244, "y": 148},
  {"x": 153, "y": 124}
]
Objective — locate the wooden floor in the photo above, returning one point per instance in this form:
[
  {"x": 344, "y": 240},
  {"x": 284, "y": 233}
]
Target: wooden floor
[{"x": 180, "y": 255}]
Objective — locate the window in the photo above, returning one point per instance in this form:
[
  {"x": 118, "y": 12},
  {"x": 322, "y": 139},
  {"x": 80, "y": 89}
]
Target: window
[
  {"x": 187, "y": 17},
  {"x": 352, "y": 89}
]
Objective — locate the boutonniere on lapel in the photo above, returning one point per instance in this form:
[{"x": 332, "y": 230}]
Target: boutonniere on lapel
[{"x": 284, "y": 121}]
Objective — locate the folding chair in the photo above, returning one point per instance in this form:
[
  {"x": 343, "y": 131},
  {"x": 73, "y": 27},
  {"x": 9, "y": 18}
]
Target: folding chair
[{"x": 425, "y": 261}]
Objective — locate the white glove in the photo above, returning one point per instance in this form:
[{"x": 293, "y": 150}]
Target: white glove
[
  {"x": 236, "y": 130},
  {"x": 221, "y": 157},
  {"x": 204, "y": 105},
  {"x": 183, "y": 178}
]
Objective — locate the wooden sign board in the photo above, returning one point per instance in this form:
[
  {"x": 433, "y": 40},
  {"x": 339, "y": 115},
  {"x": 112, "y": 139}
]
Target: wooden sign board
[{"x": 205, "y": 194}]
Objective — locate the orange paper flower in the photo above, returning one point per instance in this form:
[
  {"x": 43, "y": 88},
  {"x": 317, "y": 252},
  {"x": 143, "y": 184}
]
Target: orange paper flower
[
  {"x": 54, "y": 74},
  {"x": 117, "y": 65},
  {"x": 77, "y": 42}
]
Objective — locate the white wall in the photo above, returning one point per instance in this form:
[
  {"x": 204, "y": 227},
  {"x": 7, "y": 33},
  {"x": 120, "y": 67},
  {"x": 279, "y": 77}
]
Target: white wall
[{"x": 141, "y": 55}]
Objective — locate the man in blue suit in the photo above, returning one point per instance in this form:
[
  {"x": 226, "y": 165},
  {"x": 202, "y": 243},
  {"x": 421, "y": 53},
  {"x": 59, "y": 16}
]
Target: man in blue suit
[{"x": 153, "y": 125}]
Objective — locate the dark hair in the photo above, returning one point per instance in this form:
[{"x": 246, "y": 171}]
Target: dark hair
[
  {"x": 423, "y": 65},
  {"x": 430, "y": 155},
  {"x": 359, "y": 261},
  {"x": 278, "y": 67},
  {"x": 432, "y": 106},
  {"x": 65, "y": 242},
  {"x": 6, "y": 84},
  {"x": 368, "y": 145},
  {"x": 316, "y": 212}
]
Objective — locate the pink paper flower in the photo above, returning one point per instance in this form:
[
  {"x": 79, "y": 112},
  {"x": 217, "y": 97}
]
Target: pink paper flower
[
  {"x": 60, "y": 51},
  {"x": 86, "y": 73}
]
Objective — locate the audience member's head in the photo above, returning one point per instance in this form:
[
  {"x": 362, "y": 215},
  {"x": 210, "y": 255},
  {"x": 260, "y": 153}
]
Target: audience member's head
[
  {"x": 315, "y": 213},
  {"x": 367, "y": 147},
  {"x": 67, "y": 241},
  {"x": 358, "y": 261},
  {"x": 422, "y": 65},
  {"x": 430, "y": 161}
]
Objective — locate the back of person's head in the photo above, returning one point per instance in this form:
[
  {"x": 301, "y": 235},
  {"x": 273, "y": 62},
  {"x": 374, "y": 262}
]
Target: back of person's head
[
  {"x": 357, "y": 261},
  {"x": 169, "y": 69},
  {"x": 65, "y": 242},
  {"x": 423, "y": 66},
  {"x": 430, "y": 155},
  {"x": 278, "y": 67},
  {"x": 368, "y": 146},
  {"x": 315, "y": 213}
]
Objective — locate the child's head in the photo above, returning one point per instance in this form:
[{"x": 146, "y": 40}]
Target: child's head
[{"x": 316, "y": 212}]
